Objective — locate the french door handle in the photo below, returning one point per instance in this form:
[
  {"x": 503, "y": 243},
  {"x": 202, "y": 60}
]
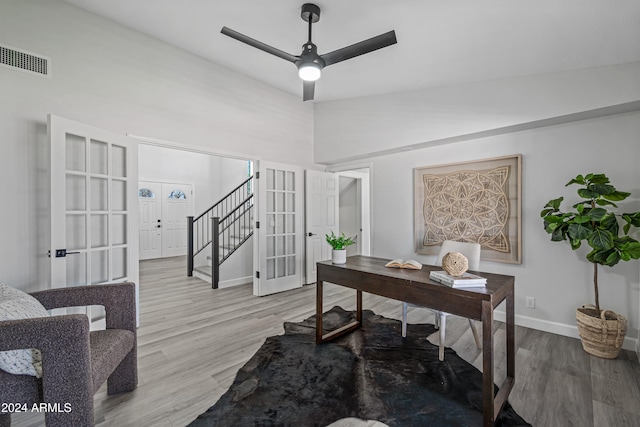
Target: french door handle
[
  {"x": 311, "y": 234},
  {"x": 61, "y": 253}
]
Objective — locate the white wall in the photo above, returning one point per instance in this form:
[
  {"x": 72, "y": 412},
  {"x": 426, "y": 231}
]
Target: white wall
[
  {"x": 558, "y": 278},
  {"x": 356, "y": 128},
  {"x": 212, "y": 176},
  {"x": 114, "y": 78}
]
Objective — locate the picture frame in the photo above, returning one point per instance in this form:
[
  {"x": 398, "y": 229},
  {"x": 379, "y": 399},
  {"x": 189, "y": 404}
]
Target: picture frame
[{"x": 475, "y": 201}]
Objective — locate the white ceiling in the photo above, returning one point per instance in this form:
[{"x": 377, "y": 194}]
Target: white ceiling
[{"x": 440, "y": 42}]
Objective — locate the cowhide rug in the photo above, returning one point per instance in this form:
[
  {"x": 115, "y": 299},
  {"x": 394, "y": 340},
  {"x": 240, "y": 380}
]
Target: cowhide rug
[{"x": 370, "y": 377}]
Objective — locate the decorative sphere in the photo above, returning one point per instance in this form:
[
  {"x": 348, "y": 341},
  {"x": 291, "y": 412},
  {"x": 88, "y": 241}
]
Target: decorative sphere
[{"x": 455, "y": 263}]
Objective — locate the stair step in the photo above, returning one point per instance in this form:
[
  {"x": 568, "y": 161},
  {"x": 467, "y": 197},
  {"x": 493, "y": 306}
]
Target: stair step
[{"x": 203, "y": 269}]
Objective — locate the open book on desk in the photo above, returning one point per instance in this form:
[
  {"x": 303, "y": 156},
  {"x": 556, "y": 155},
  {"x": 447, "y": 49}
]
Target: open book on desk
[
  {"x": 466, "y": 280},
  {"x": 410, "y": 264}
]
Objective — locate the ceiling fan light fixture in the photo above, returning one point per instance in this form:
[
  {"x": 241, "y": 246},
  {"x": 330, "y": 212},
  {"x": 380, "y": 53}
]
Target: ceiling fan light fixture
[{"x": 309, "y": 71}]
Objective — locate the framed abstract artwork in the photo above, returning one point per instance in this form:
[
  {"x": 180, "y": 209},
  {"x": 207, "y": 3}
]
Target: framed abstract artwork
[{"x": 477, "y": 201}]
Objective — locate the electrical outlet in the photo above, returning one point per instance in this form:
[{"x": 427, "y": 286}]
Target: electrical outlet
[{"x": 531, "y": 302}]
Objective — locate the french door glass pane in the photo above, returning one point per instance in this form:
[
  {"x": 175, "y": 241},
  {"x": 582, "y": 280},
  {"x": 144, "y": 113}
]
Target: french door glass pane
[
  {"x": 271, "y": 201},
  {"x": 99, "y": 157},
  {"x": 99, "y": 194},
  {"x": 271, "y": 268},
  {"x": 119, "y": 268},
  {"x": 291, "y": 183},
  {"x": 99, "y": 266},
  {"x": 118, "y": 229},
  {"x": 282, "y": 272},
  {"x": 76, "y": 194},
  {"x": 76, "y": 232},
  {"x": 118, "y": 195},
  {"x": 271, "y": 246},
  {"x": 280, "y": 180},
  {"x": 280, "y": 245},
  {"x": 271, "y": 179},
  {"x": 76, "y": 269},
  {"x": 271, "y": 224},
  {"x": 99, "y": 231},
  {"x": 75, "y": 153},
  {"x": 291, "y": 265},
  {"x": 119, "y": 161}
]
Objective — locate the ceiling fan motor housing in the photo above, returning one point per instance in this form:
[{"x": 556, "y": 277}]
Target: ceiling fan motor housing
[{"x": 310, "y": 12}]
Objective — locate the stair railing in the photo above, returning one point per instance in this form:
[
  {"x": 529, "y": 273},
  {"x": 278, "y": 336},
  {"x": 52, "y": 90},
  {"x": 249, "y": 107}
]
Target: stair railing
[{"x": 224, "y": 227}]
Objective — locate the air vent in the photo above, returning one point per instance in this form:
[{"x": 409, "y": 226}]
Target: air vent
[{"x": 21, "y": 60}]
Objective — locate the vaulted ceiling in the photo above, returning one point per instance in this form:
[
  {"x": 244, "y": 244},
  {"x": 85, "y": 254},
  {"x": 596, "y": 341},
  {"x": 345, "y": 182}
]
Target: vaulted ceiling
[{"x": 440, "y": 43}]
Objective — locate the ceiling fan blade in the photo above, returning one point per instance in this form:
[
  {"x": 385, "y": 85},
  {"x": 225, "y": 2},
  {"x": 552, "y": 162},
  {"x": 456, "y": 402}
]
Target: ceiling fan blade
[
  {"x": 366, "y": 46},
  {"x": 257, "y": 44},
  {"x": 307, "y": 90}
]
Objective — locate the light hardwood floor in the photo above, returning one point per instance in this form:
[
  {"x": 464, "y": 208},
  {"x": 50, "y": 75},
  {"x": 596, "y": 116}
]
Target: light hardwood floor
[{"x": 192, "y": 340}]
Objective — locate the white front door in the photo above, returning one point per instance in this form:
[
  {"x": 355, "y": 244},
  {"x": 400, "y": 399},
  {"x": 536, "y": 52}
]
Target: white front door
[
  {"x": 280, "y": 215},
  {"x": 94, "y": 208},
  {"x": 150, "y": 227},
  {"x": 321, "y": 200},
  {"x": 176, "y": 206},
  {"x": 164, "y": 208}
]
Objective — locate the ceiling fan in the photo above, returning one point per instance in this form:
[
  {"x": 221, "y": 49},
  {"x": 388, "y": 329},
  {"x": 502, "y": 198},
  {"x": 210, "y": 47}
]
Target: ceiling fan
[{"x": 309, "y": 63}]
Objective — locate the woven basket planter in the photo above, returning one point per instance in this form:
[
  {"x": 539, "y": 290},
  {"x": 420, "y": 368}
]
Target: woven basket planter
[{"x": 602, "y": 335}]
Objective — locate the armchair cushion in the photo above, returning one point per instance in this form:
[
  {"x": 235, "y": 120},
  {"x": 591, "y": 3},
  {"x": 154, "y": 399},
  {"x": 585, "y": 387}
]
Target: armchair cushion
[{"x": 17, "y": 305}]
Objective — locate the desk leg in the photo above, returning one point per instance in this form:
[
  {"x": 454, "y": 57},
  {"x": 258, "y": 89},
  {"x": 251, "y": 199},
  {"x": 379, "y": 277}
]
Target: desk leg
[
  {"x": 511, "y": 336},
  {"x": 318, "y": 311},
  {"x": 345, "y": 329},
  {"x": 488, "y": 416}
]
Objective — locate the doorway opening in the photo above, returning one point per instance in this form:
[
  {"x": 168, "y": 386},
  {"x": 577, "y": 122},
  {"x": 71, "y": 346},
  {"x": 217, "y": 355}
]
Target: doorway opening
[
  {"x": 355, "y": 208},
  {"x": 200, "y": 180}
]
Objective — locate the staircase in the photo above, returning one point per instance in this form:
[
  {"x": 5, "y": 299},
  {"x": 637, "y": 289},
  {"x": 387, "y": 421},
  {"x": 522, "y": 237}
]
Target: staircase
[{"x": 220, "y": 231}]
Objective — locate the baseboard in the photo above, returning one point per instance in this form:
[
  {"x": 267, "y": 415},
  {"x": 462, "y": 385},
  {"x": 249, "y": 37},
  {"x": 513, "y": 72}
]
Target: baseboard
[
  {"x": 235, "y": 282},
  {"x": 224, "y": 283},
  {"x": 629, "y": 343}
]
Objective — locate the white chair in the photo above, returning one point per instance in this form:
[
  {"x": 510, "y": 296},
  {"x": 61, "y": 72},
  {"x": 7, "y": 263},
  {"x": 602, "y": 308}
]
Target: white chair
[{"x": 472, "y": 252}]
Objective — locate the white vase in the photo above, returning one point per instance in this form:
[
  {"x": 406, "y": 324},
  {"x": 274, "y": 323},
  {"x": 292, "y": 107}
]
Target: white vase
[{"x": 339, "y": 256}]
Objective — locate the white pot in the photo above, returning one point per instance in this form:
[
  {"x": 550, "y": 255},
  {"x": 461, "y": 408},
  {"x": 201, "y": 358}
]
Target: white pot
[{"x": 339, "y": 256}]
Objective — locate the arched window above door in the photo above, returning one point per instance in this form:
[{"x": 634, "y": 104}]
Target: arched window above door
[
  {"x": 146, "y": 193},
  {"x": 177, "y": 194}
]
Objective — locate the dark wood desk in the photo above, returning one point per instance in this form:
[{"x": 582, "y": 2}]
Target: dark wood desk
[{"x": 367, "y": 274}]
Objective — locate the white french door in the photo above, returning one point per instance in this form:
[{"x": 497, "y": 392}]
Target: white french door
[
  {"x": 94, "y": 209},
  {"x": 321, "y": 202},
  {"x": 280, "y": 215}
]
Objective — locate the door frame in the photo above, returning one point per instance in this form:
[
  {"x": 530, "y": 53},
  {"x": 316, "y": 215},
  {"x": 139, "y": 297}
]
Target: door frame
[
  {"x": 365, "y": 202},
  {"x": 174, "y": 145}
]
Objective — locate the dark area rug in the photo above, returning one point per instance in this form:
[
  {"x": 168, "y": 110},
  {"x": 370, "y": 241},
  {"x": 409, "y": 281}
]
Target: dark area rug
[{"x": 371, "y": 374}]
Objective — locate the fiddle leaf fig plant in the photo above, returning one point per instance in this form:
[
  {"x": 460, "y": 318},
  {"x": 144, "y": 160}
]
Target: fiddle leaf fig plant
[{"x": 593, "y": 220}]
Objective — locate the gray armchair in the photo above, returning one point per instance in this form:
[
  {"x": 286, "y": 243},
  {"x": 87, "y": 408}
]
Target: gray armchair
[{"x": 75, "y": 361}]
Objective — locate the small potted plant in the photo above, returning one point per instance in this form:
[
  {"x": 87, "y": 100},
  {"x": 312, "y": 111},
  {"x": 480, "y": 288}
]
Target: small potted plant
[
  {"x": 601, "y": 331},
  {"x": 339, "y": 245}
]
